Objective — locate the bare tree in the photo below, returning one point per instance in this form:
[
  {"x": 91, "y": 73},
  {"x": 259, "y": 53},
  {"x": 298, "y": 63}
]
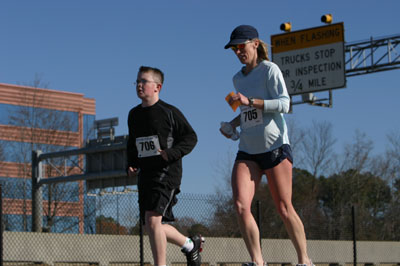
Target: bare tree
[
  {"x": 317, "y": 148},
  {"x": 357, "y": 155},
  {"x": 326, "y": 188},
  {"x": 223, "y": 170},
  {"x": 389, "y": 168},
  {"x": 393, "y": 152},
  {"x": 296, "y": 137}
]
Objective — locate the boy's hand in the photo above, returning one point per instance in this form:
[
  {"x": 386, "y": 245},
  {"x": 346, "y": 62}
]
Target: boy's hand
[
  {"x": 163, "y": 154},
  {"x": 132, "y": 172}
]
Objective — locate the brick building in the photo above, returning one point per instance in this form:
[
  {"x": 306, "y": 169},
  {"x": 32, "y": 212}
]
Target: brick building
[{"x": 47, "y": 120}]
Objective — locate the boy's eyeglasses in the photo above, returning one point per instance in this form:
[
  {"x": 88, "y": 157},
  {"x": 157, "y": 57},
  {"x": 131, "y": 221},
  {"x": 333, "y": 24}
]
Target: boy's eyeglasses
[
  {"x": 239, "y": 46},
  {"x": 142, "y": 81}
]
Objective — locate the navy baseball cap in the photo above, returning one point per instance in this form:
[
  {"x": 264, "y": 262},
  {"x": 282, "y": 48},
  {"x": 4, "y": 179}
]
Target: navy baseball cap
[{"x": 242, "y": 34}]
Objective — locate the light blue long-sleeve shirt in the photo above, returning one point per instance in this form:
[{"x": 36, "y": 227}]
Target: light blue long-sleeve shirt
[{"x": 265, "y": 82}]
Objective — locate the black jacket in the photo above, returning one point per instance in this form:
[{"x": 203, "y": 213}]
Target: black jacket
[{"x": 175, "y": 135}]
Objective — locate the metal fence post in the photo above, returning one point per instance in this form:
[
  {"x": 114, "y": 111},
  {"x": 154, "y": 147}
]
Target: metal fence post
[
  {"x": 37, "y": 199},
  {"x": 259, "y": 220},
  {"x": 353, "y": 218},
  {"x": 141, "y": 239}
]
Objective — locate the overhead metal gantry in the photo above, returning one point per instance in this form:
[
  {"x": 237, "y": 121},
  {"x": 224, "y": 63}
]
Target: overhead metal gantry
[
  {"x": 363, "y": 57},
  {"x": 373, "y": 55}
]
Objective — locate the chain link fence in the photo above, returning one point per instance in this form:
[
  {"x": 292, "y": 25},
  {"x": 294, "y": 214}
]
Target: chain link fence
[{"x": 70, "y": 212}]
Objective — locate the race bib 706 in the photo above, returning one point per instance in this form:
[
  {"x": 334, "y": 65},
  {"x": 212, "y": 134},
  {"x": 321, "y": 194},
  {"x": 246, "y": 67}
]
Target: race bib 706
[{"x": 148, "y": 146}]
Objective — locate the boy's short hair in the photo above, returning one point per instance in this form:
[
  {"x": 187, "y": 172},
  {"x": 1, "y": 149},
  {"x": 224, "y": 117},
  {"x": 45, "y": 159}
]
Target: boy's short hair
[{"x": 156, "y": 72}]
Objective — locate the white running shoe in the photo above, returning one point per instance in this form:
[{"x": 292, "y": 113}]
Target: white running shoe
[{"x": 311, "y": 264}]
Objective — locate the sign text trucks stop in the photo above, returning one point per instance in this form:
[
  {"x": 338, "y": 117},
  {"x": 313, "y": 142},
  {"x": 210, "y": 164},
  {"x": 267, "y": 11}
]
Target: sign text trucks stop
[{"x": 312, "y": 59}]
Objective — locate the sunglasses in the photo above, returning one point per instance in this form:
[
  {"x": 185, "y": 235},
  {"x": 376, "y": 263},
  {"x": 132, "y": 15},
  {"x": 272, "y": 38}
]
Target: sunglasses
[
  {"x": 143, "y": 82},
  {"x": 239, "y": 46}
]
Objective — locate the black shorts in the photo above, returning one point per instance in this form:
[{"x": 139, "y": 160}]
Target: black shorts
[
  {"x": 158, "y": 197},
  {"x": 269, "y": 159}
]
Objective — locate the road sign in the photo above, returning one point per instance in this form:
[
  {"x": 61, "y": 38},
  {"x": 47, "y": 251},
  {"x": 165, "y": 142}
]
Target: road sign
[
  {"x": 311, "y": 60},
  {"x": 110, "y": 162}
]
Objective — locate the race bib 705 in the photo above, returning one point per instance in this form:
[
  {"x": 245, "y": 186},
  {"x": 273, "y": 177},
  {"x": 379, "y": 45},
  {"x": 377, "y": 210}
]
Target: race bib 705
[{"x": 250, "y": 117}]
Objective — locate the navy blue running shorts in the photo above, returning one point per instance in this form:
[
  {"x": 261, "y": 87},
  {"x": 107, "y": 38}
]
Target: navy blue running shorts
[
  {"x": 269, "y": 159},
  {"x": 158, "y": 197}
]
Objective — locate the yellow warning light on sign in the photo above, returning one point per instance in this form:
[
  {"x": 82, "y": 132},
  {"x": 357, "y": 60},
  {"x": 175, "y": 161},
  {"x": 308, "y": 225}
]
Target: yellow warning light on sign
[
  {"x": 286, "y": 26},
  {"x": 327, "y": 18}
]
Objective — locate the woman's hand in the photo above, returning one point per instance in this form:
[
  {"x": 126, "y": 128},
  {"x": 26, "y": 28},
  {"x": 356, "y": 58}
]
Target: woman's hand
[
  {"x": 239, "y": 97},
  {"x": 223, "y": 133},
  {"x": 229, "y": 131}
]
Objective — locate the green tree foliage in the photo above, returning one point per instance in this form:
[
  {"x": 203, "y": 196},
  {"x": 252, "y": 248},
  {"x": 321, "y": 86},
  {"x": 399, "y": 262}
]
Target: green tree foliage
[
  {"x": 270, "y": 221},
  {"x": 368, "y": 193},
  {"x": 306, "y": 203},
  {"x": 327, "y": 186},
  {"x": 326, "y": 214},
  {"x": 224, "y": 222},
  {"x": 107, "y": 225}
]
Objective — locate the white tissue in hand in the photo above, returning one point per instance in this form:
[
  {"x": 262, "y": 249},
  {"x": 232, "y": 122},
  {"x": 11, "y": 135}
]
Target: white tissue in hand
[{"x": 229, "y": 130}]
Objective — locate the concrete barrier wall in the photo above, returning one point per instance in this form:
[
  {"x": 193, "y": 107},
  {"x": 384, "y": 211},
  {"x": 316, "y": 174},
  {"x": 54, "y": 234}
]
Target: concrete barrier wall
[{"x": 54, "y": 249}]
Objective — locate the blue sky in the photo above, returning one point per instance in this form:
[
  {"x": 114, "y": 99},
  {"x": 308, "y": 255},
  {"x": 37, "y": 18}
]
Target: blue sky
[{"x": 96, "y": 47}]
